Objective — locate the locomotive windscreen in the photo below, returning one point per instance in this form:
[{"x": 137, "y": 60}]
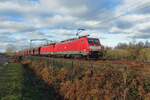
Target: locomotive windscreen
[{"x": 93, "y": 41}]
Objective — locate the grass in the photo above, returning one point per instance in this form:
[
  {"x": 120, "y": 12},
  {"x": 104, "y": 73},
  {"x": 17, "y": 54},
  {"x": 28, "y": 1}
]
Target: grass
[
  {"x": 10, "y": 82},
  {"x": 129, "y": 54},
  {"x": 20, "y": 83},
  {"x": 35, "y": 88},
  {"x": 100, "y": 80},
  {"x": 66, "y": 79}
]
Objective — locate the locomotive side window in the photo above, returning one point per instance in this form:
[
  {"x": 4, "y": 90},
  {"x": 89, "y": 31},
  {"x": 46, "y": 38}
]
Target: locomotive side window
[{"x": 90, "y": 41}]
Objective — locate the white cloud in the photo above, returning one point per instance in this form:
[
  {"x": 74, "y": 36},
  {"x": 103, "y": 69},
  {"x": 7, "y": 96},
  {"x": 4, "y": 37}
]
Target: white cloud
[
  {"x": 131, "y": 19},
  {"x": 132, "y": 6},
  {"x": 64, "y": 7}
]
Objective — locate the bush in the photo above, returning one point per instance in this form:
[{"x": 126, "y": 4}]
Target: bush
[
  {"x": 117, "y": 54},
  {"x": 144, "y": 55},
  {"x": 128, "y": 54}
]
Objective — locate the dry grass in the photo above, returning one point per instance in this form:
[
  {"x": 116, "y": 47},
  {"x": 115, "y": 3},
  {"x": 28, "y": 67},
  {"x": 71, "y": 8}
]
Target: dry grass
[
  {"x": 99, "y": 81},
  {"x": 129, "y": 54}
]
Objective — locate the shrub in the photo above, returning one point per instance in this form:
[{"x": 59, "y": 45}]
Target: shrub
[
  {"x": 117, "y": 54},
  {"x": 144, "y": 54},
  {"x": 128, "y": 54}
]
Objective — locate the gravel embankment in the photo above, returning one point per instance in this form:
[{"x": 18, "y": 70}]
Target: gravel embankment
[{"x": 3, "y": 59}]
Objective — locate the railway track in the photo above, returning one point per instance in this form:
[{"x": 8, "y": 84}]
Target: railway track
[
  {"x": 93, "y": 61},
  {"x": 122, "y": 65},
  {"x": 139, "y": 67}
]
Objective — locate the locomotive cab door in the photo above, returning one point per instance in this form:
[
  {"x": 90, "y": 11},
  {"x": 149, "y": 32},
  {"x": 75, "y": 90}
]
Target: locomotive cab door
[{"x": 83, "y": 47}]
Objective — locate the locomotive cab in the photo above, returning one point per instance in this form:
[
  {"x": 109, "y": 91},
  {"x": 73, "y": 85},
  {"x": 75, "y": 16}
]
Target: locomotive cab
[
  {"x": 95, "y": 47},
  {"x": 94, "y": 44}
]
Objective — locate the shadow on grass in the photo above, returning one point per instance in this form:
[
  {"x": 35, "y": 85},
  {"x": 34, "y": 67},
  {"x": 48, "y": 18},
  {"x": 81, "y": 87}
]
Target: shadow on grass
[{"x": 36, "y": 89}]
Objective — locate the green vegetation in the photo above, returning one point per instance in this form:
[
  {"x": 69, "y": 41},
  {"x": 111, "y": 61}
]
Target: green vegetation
[
  {"x": 35, "y": 88},
  {"x": 128, "y": 54},
  {"x": 10, "y": 82},
  {"x": 144, "y": 54},
  {"x": 20, "y": 83},
  {"x": 133, "y": 51}
]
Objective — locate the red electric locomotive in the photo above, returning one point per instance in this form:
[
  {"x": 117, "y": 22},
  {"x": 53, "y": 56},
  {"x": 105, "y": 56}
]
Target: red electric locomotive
[{"x": 82, "y": 46}]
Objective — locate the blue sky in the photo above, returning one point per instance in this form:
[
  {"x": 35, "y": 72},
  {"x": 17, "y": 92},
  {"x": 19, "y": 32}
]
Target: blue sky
[{"x": 112, "y": 21}]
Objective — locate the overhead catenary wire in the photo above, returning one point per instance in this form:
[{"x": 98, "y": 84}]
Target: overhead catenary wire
[
  {"x": 116, "y": 17},
  {"x": 104, "y": 11}
]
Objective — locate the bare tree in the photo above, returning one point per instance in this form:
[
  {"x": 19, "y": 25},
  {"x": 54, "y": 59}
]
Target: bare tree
[{"x": 11, "y": 49}]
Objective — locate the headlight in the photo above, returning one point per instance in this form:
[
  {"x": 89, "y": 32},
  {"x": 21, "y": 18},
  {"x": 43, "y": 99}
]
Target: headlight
[{"x": 95, "y": 48}]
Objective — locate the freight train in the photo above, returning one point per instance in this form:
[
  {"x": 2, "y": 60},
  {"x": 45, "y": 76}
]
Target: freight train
[{"x": 76, "y": 47}]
